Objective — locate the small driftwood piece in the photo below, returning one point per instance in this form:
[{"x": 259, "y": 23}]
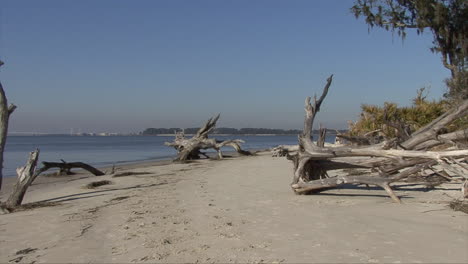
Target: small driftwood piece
[
  {"x": 65, "y": 167},
  {"x": 190, "y": 148},
  {"x": 387, "y": 161},
  {"x": 284, "y": 150}
]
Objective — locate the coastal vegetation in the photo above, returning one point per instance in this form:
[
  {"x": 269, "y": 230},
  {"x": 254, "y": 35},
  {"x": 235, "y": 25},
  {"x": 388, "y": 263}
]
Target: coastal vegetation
[{"x": 390, "y": 120}]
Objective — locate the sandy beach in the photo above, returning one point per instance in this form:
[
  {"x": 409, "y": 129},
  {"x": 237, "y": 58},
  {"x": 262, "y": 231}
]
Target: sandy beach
[{"x": 238, "y": 209}]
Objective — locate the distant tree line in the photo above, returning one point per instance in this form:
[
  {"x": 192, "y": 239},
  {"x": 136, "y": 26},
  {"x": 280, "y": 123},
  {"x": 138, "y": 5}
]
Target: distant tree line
[{"x": 228, "y": 130}]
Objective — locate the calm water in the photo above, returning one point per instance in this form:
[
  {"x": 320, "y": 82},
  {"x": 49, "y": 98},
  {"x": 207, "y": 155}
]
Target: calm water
[{"x": 105, "y": 151}]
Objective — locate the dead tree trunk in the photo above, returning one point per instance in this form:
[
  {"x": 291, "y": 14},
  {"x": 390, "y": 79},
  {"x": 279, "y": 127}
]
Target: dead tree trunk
[
  {"x": 313, "y": 162},
  {"x": 26, "y": 175},
  {"x": 189, "y": 148},
  {"x": 5, "y": 112}
]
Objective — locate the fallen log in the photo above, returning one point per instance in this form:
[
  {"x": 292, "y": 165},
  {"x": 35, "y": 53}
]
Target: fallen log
[
  {"x": 190, "y": 148},
  {"x": 449, "y": 138},
  {"x": 386, "y": 162},
  {"x": 65, "y": 167},
  {"x": 431, "y": 130}
]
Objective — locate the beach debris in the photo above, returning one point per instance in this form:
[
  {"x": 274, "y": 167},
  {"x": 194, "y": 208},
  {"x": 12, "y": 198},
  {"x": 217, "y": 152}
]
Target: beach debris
[
  {"x": 25, "y": 251},
  {"x": 386, "y": 162},
  {"x": 189, "y": 148},
  {"x": 26, "y": 175},
  {"x": 120, "y": 198},
  {"x": 284, "y": 150},
  {"x": 65, "y": 167},
  {"x": 84, "y": 229},
  {"x": 96, "y": 184},
  {"x": 17, "y": 259}
]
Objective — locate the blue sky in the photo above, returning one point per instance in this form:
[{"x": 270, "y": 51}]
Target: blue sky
[{"x": 122, "y": 66}]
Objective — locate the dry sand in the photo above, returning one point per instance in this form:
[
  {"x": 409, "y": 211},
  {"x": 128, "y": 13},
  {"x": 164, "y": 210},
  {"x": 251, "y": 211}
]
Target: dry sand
[{"x": 235, "y": 210}]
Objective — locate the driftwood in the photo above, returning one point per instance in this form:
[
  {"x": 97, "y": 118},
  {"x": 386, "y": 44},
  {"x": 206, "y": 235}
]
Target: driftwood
[
  {"x": 284, "y": 150},
  {"x": 189, "y": 148},
  {"x": 387, "y": 161},
  {"x": 65, "y": 167},
  {"x": 26, "y": 175},
  {"x": 5, "y": 112},
  {"x": 288, "y": 150}
]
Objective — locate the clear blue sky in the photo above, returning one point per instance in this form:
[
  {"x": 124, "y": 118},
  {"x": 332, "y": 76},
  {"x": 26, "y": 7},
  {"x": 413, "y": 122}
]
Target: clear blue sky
[{"x": 122, "y": 66}]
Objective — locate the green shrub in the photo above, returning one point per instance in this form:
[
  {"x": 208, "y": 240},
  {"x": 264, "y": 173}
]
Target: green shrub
[{"x": 420, "y": 113}]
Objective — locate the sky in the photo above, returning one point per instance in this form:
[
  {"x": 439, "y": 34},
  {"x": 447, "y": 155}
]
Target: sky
[{"x": 123, "y": 66}]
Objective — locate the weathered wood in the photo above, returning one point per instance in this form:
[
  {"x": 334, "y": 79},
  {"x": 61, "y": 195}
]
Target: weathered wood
[
  {"x": 451, "y": 138},
  {"x": 284, "y": 150},
  {"x": 26, "y": 175},
  {"x": 189, "y": 148},
  {"x": 431, "y": 130},
  {"x": 305, "y": 139},
  {"x": 65, "y": 167},
  {"x": 5, "y": 112},
  {"x": 333, "y": 152},
  {"x": 321, "y": 138},
  {"x": 313, "y": 161},
  {"x": 302, "y": 187}
]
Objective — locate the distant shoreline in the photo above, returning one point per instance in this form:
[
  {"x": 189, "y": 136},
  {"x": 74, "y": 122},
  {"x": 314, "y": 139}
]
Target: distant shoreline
[{"x": 149, "y": 135}]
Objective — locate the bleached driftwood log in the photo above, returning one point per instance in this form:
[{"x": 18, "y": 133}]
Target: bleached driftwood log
[
  {"x": 189, "y": 148},
  {"x": 5, "y": 112},
  {"x": 391, "y": 162},
  {"x": 284, "y": 150},
  {"x": 26, "y": 175}
]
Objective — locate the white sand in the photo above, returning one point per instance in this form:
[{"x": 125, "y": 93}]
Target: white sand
[{"x": 234, "y": 210}]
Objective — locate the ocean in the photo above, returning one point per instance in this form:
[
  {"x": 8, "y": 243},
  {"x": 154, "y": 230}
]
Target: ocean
[{"x": 101, "y": 151}]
